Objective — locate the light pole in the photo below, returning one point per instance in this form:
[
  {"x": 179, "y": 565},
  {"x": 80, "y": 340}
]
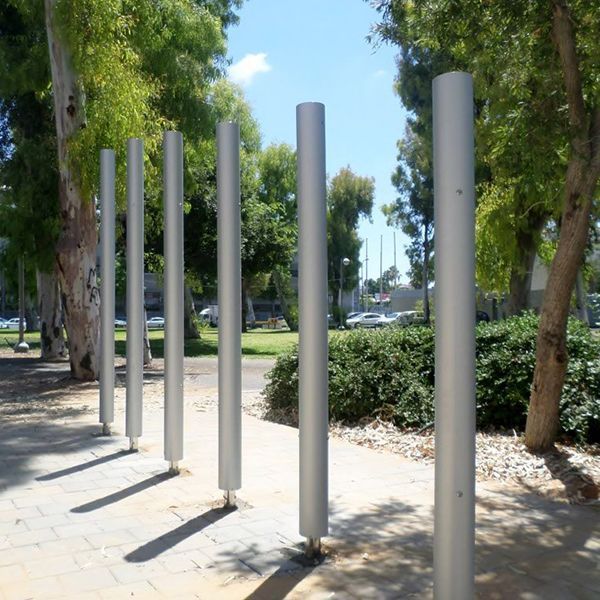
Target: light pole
[
  {"x": 344, "y": 262},
  {"x": 22, "y": 345}
]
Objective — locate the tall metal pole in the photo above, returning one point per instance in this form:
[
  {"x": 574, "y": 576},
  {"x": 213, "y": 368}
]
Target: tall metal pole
[
  {"x": 173, "y": 249},
  {"x": 135, "y": 290},
  {"x": 367, "y": 274},
  {"x": 381, "y": 271},
  {"x": 230, "y": 309},
  {"x": 454, "y": 208},
  {"x": 21, "y": 345},
  {"x": 361, "y": 302},
  {"x": 107, "y": 289},
  {"x": 395, "y": 266},
  {"x": 3, "y": 293},
  {"x": 312, "y": 295},
  {"x": 340, "y": 293}
]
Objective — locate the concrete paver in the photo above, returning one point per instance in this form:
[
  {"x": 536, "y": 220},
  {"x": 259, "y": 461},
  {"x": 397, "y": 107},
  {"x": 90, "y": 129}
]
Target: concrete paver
[{"x": 81, "y": 517}]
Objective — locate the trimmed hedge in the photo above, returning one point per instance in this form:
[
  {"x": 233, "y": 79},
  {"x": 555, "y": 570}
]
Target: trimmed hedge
[{"x": 390, "y": 373}]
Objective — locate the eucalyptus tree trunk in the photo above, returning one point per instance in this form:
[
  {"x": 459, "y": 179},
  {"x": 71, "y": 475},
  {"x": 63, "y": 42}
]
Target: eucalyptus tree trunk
[
  {"x": 581, "y": 182},
  {"x": 190, "y": 331},
  {"x": 527, "y": 242},
  {"x": 250, "y": 316},
  {"x": 285, "y": 309},
  {"x": 520, "y": 281},
  {"x": 31, "y": 314},
  {"x": 76, "y": 246},
  {"x": 51, "y": 330}
]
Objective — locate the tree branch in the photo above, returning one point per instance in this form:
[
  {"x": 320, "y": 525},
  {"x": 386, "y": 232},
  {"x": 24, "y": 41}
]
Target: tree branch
[{"x": 564, "y": 38}]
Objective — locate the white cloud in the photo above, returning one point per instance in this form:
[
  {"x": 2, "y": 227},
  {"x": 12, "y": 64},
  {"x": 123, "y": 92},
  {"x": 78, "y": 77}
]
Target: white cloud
[
  {"x": 244, "y": 71},
  {"x": 379, "y": 73}
]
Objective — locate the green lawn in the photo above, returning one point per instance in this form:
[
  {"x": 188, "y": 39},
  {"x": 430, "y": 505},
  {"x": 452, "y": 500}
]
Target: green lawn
[
  {"x": 9, "y": 338},
  {"x": 259, "y": 343}
]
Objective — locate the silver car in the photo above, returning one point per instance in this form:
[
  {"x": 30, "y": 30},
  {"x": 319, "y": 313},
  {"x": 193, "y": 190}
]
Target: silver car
[
  {"x": 363, "y": 320},
  {"x": 156, "y": 323}
]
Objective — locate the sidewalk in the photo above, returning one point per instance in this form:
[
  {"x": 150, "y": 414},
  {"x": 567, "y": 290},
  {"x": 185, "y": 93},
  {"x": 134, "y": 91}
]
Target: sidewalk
[{"x": 80, "y": 517}]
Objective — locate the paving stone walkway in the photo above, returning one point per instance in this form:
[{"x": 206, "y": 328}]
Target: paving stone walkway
[{"x": 81, "y": 517}]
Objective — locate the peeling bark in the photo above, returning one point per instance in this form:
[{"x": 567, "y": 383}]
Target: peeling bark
[
  {"x": 76, "y": 246},
  {"x": 51, "y": 331}
]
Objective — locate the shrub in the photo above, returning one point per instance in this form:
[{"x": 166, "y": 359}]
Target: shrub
[{"x": 390, "y": 373}]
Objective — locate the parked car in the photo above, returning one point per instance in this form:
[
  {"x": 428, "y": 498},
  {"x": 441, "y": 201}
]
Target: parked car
[
  {"x": 363, "y": 320},
  {"x": 14, "y": 323},
  {"x": 3, "y": 323},
  {"x": 156, "y": 323},
  {"x": 331, "y": 324},
  {"x": 388, "y": 319},
  {"x": 120, "y": 322},
  {"x": 353, "y": 314},
  {"x": 210, "y": 315},
  {"x": 411, "y": 317}
]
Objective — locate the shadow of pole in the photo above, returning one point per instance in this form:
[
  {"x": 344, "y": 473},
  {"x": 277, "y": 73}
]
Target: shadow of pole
[
  {"x": 279, "y": 584},
  {"x": 83, "y": 466},
  {"x": 168, "y": 540},
  {"x": 122, "y": 494}
]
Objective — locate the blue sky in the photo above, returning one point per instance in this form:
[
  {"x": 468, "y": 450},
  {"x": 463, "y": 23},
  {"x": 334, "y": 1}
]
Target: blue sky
[{"x": 285, "y": 52}]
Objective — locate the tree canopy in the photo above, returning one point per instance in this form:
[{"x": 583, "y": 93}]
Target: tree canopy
[{"x": 349, "y": 198}]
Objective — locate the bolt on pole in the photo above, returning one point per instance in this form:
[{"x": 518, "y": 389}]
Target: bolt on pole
[
  {"x": 173, "y": 251},
  {"x": 135, "y": 290},
  {"x": 312, "y": 296},
  {"x": 230, "y": 309},
  {"x": 107, "y": 289},
  {"x": 454, "y": 209}
]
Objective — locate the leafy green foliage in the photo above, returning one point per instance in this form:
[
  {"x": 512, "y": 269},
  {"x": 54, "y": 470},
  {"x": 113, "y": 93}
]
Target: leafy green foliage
[
  {"x": 349, "y": 197},
  {"x": 144, "y": 67},
  {"x": 28, "y": 172},
  {"x": 390, "y": 373},
  {"x": 520, "y": 110}
]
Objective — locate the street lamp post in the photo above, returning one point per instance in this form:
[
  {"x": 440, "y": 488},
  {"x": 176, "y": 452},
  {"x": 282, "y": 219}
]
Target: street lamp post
[
  {"x": 344, "y": 262},
  {"x": 22, "y": 345}
]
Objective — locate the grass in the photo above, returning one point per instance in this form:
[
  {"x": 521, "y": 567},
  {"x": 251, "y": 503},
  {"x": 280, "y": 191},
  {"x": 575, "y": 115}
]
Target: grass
[
  {"x": 10, "y": 337},
  {"x": 258, "y": 343}
]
